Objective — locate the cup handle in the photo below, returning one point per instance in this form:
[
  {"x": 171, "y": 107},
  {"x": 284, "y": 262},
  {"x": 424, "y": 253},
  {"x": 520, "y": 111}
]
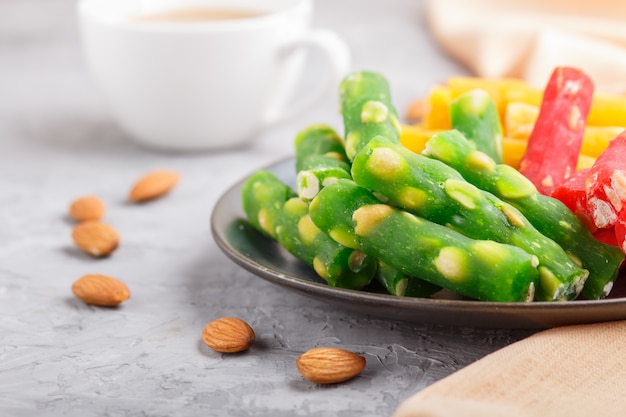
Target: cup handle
[{"x": 335, "y": 53}]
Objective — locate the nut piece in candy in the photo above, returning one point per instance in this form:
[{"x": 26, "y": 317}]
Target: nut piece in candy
[
  {"x": 153, "y": 185},
  {"x": 96, "y": 238},
  {"x": 100, "y": 290},
  {"x": 416, "y": 111},
  {"x": 329, "y": 365},
  {"x": 228, "y": 334},
  {"x": 87, "y": 208}
]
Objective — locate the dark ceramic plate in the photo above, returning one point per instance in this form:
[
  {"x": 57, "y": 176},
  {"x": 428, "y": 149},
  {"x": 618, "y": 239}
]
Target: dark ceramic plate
[{"x": 268, "y": 260}]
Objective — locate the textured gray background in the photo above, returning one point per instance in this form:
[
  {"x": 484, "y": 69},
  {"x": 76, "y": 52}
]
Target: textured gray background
[{"x": 60, "y": 357}]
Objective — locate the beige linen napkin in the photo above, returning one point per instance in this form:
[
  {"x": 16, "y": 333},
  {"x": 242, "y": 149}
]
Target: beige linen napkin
[
  {"x": 527, "y": 39},
  {"x": 572, "y": 371}
]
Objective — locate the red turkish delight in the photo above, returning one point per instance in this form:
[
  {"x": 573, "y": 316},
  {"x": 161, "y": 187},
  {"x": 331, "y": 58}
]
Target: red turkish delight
[
  {"x": 555, "y": 141},
  {"x": 605, "y": 184}
]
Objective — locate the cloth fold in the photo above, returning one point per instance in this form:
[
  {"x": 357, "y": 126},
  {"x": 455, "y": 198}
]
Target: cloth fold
[
  {"x": 527, "y": 39},
  {"x": 573, "y": 371}
]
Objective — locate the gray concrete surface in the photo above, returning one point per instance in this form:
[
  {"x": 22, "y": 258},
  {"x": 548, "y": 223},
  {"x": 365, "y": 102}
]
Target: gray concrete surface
[{"x": 59, "y": 357}]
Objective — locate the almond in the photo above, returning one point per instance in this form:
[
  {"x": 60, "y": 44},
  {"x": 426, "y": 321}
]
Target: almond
[
  {"x": 228, "y": 334},
  {"x": 416, "y": 111},
  {"x": 153, "y": 185},
  {"x": 100, "y": 290},
  {"x": 96, "y": 238},
  {"x": 329, "y": 365},
  {"x": 87, "y": 208}
]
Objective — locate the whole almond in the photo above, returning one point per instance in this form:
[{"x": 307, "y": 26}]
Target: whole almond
[
  {"x": 96, "y": 238},
  {"x": 228, "y": 334},
  {"x": 153, "y": 185},
  {"x": 100, "y": 290},
  {"x": 329, "y": 365},
  {"x": 87, "y": 208}
]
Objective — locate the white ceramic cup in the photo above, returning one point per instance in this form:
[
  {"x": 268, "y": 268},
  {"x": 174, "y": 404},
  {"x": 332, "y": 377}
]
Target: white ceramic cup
[{"x": 205, "y": 85}]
